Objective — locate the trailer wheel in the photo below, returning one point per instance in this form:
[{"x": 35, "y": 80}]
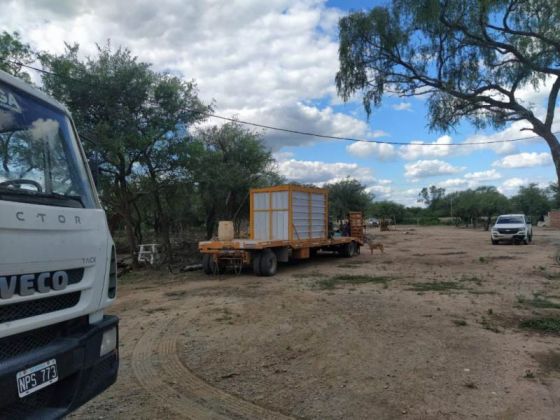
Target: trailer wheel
[
  {"x": 257, "y": 263},
  {"x": 348, "y": 250},
  {"x": 269, "y": 263},
  {"x": 209, "y": 265}
]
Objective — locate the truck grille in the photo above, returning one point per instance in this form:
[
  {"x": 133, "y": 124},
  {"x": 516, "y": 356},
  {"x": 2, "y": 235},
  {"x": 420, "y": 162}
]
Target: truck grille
[
  {"x": 23, "y": 343},
  {"x": 27, "y": 309},
  {"x": 510, "y": 231}
]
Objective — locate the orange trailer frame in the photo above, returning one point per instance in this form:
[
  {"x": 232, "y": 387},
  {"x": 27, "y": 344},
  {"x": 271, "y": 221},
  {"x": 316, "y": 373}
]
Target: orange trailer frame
[{"x": 263, "y": 254}]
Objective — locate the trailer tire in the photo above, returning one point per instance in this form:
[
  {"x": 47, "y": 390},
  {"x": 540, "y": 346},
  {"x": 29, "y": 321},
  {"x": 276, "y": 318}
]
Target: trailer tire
[
  {"x": 257, "y": 263},
  {"x": 209, "y": 265},
  {"x": 269, "y": 263},
  {"x": 349, "y": 249}
]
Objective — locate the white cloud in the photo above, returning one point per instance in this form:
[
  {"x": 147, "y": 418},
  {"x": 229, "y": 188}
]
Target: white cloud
[
  {"x": 318, "y": 172},
  {"x": 427, "y": 168},
  {"x": 524, "y": 160},
  {"x": 406, "y": 197},
  {"x": 379, "y": 133},
  {"x": 440, "y": 148},
  {"x": 453, "y": 183},
  {"x": 321, "y": 173},
  {"x": 532, "y": 96},
  {"x": 402, "y": 106},
  {"x": 365, "y": 150},
  {"x": 512, "y": 132},
  {"x": 259, "y": 61},
  {"x": 510, "y": 186},
  {"x": 489, "y": 175}
]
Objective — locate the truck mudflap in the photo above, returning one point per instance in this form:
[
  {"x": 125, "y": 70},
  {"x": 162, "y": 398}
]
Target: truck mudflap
[{"x": 81, "y": 372}]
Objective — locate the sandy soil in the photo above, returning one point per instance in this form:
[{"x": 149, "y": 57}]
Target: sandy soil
[{"x": 305, "y": 344}]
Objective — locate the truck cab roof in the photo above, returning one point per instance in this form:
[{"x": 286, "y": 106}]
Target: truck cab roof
[{"x": 27, "y": 88}]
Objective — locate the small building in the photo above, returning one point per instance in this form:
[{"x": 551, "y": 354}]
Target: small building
[{"x": 554, "y": 219}]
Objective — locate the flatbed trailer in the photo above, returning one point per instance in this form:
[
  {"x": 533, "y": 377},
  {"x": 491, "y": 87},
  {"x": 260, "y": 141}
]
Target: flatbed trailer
[{"x": 286, "y": 223}]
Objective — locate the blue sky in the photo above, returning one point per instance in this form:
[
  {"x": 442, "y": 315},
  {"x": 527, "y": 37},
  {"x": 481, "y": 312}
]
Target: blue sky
[{"x": 274, "y": 63}]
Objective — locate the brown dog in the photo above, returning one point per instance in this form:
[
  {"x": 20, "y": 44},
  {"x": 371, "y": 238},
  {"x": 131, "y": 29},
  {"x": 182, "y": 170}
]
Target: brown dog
[{"x": 377, "y": 245}]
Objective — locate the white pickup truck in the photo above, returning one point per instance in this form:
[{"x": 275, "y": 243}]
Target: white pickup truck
[{"x": 512, "y": 228}]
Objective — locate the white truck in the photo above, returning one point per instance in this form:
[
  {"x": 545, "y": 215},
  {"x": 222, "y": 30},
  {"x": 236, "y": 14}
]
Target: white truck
[
  {"x": 512, "y": 228},
  {"x": 58, "y": 348}
]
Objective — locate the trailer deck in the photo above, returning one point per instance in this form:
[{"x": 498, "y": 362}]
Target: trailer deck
[{"x": 285, "y": 222}]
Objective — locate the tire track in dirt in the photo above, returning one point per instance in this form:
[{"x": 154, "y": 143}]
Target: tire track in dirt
[{"x": 157, "y": 367}]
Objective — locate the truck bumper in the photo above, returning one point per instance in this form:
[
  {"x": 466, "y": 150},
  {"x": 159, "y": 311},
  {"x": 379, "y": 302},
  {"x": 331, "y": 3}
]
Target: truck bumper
[
  {"x": 82, "y": 372},
  {"x": 507, "y": 237}
]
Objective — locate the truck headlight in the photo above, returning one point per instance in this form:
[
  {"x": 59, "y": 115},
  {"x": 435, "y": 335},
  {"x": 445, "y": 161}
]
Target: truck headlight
[{"x": 108, "y": 342}]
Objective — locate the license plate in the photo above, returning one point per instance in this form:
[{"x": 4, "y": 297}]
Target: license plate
[{"x": 36, "y": 377}]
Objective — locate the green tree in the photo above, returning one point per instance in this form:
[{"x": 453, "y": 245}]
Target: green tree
[
  {"x": 131, "y": 115},
  {"x": 554, "y": 194},
  {"x": 387, "y": 209},
  {"x": 13, "y": 53},
  {"x": 469, "y": 58},
  {"x": 347, "y": 195},
  {"x": 466, "y": 206},
  {"x": 225, "y": 163},
  {"x": 491, "y": 203},
  {"x": 532, "y": 201},
  {"x": 435, "y": 199}
]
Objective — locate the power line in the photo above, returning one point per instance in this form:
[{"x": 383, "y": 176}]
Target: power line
[
  {"x": 318, "y": 135},
  {"x": 356, "y": 140}
]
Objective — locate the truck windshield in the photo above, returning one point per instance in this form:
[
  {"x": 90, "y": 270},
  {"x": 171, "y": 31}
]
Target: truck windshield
[
  {"x": 40, "y": 161},
  {"x": 510, "y": 220}
]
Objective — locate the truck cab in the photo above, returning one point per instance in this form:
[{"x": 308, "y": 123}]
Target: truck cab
[
  {"x": 58, "y": 348},
  {"x": 512, "y": 228}
]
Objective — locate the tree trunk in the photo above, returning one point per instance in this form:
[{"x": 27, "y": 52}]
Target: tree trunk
[
  {"x": 555, "y": 152},
  {"x": 210, "y": 223},
  {"x": 162, "y": 219},
  {"x": 129, "y": 227}
]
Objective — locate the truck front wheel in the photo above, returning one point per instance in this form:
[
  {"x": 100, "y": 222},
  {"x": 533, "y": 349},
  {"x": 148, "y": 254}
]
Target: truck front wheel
[{"x": 269, "y": 263}]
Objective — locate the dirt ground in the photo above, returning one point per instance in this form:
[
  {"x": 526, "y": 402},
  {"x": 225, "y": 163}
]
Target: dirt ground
[{"x": 430, "y": 329}]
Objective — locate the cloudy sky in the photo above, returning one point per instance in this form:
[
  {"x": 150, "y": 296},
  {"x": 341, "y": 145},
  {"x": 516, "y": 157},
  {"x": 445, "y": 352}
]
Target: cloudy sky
[{"x": 273, "y": 62}]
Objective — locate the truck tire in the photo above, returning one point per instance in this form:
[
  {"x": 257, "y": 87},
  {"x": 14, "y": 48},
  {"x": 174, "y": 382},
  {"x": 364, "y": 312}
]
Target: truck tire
[
  {"x": 269, "y": 263},
  {"x": 257, "y": 263},
  {"x": 494, "y": 242},
  {"x": 526, "y": 241}
]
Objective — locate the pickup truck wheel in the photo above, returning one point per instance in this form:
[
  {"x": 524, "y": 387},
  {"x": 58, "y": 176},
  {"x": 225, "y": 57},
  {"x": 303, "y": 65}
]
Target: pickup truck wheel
[
  {"x": 526, "y": 241},
  {"x": 257, "y": 264},
  {"x": 494, "y": 242},
  {"x": 269, "y": 263}
]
